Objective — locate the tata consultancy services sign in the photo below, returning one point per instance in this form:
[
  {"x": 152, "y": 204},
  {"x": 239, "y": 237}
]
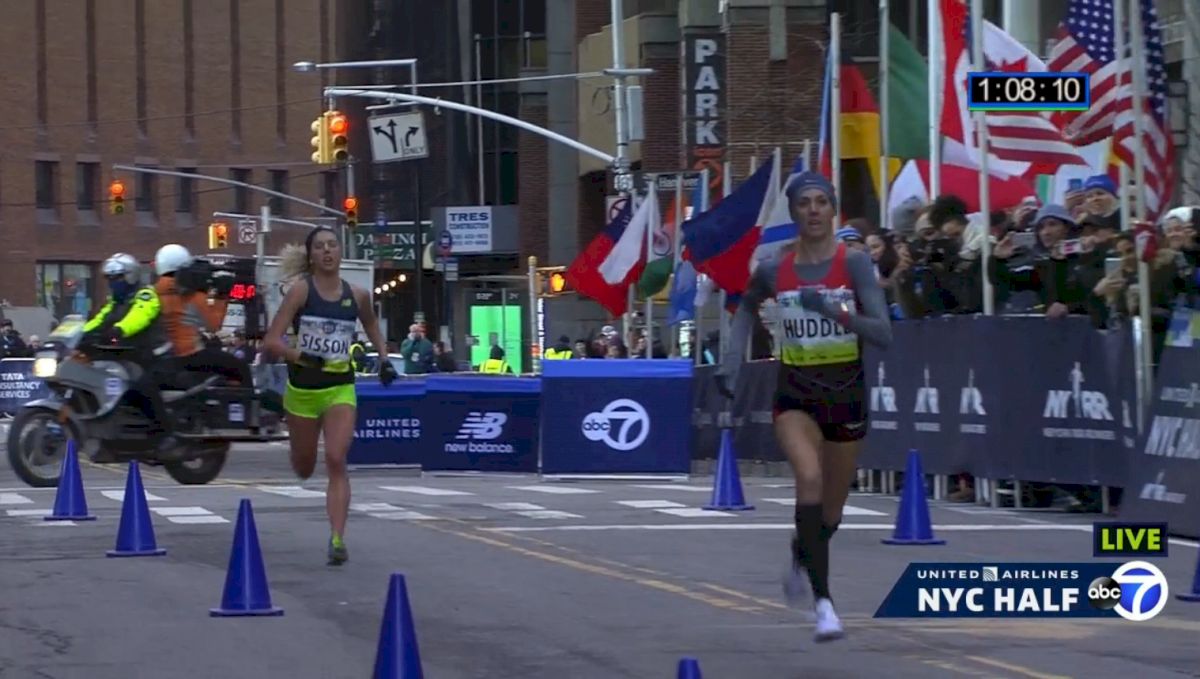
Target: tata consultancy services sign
[{"x": 470, "y": 229}]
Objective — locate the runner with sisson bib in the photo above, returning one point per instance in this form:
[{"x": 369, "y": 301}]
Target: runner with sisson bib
[
  {"x": 829, "y": 302},
  {"x": 322, "y": 310}
]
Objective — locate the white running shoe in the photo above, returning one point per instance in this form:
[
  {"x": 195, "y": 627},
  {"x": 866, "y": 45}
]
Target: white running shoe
[{"x": 829, "y": 626}]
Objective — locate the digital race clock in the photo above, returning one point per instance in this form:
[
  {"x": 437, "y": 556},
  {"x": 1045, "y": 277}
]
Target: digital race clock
[{"x": 1028, "y": 91}]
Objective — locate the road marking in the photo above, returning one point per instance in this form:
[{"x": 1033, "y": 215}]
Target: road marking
[
  {"x": 847, "y": 510},
  {"x": 649, "y": 504},
  {"x": 14, "y": 499},
  {"x": 778, "y": 526},
  {"x": 693, "y": 512},
  {"x": 53, "y": 523},
  {"x": 119, "y": 496},
  {"x": 674, "y": 486},
  {"x": 531, "y": 511},
  {"x": 425, "y": 490},
  {"x": 292, "y": 491},
  {"x": 188, "y": 515},
  {"x": 555, "y": 490},
  {"x": 513, "y": 506},
  {"x": 28, "y": 512},
  {"x": 383, "y": 510}
]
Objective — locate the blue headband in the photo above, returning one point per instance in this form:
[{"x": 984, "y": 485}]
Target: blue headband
[{"x": 810, "y": 180}]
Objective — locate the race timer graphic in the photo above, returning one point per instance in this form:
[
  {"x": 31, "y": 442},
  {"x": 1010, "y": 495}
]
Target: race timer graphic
[{"x": 1135, "y": 590}]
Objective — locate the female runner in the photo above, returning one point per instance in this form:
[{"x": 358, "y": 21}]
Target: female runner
[
  {"x": 829, "y": 302},
  {"x": 321, "y": 309}
]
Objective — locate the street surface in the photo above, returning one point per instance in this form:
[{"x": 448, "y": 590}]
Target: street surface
[{"x": 513, "y": 577}]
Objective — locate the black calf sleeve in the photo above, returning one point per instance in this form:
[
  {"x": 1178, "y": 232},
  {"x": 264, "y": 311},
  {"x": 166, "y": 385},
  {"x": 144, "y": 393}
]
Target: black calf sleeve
[
  {"x": 827, "y": 531},
  {"x": 810, "y": 549}
]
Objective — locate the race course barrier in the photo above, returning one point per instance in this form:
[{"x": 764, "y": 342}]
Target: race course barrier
[{"x": 484, "y": 423}]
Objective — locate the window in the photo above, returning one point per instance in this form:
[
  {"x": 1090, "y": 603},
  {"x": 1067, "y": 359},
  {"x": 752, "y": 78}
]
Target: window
[
  {"x": 65, "y": 288},
  {"x": 87, "y": 178},
  {"x": 185, "y": 193},
  {"x": 241, "y": 194},
  {"x": 145, "y": 192},
  {"x": 279, "y": 184},
  {"x": 46, "y": 178}
]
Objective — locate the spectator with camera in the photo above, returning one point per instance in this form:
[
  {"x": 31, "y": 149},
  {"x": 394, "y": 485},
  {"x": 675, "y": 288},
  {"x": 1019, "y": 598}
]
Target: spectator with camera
[
  {"x": 933, "y": 278},
  {"x": 1038, "y": 271}
]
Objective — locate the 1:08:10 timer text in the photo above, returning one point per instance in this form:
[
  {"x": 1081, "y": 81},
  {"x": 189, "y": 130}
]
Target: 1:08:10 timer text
[{"x": 1028, "y": 91}]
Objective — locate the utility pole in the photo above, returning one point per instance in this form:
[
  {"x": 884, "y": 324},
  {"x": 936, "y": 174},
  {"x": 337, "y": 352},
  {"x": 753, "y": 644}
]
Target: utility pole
[{"x": 622, "y": 180}]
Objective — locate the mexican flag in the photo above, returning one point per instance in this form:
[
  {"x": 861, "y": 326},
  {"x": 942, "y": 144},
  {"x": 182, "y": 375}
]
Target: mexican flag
[{"x": 660, "y": 261}]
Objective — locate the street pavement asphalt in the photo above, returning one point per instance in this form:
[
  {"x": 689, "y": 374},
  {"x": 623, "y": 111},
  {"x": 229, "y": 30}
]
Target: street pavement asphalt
[{"x": 510, "y": 576}]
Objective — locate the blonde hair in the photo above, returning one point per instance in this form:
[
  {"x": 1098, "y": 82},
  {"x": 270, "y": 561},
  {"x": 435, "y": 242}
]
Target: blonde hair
[{"x": 293, "y": 262}]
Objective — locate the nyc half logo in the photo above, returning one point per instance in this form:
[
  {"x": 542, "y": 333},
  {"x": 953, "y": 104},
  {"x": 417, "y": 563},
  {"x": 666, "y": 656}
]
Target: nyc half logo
[{"x": 1135, "y": 590}]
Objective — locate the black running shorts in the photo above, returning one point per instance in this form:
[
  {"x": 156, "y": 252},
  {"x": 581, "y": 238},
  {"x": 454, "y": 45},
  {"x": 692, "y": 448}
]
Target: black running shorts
[{"x": 835, "y": 399}]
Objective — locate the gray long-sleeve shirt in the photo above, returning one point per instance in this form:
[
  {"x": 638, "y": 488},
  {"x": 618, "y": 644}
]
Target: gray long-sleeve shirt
[{"x": 873, "y": 324}]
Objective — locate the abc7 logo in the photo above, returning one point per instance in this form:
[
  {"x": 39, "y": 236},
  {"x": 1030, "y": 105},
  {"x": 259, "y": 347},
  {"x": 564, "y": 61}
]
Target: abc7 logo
[
  {"x": 1137, "y": 591},
  {"x": 616, "y": 422}
]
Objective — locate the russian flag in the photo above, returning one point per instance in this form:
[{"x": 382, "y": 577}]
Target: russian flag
[
  {"x": 613, "y": 260},
  {"x": 721, "y": 242}
]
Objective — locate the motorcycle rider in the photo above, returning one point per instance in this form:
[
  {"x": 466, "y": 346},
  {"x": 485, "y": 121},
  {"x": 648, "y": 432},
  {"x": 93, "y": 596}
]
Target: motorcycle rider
[
  {"x": 187, "y": 313},
  {"x": 131, "y": 317}
]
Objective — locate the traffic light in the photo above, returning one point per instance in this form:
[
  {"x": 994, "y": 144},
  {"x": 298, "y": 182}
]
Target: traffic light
[
  {"x": 337, "y": 127},
  {"x": 116, "y": 197},
  {"x": 554, "y": 282},
  {"x": 351, "y": 207},
  {"x": 558, "y": 283},
  {"x": 320, "y": 141},
  {"x": 218, "y": 236}
]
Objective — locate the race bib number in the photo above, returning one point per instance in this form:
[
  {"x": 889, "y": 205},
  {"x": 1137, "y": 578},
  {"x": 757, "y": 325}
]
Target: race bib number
[
  {"x": 328, "y": 338},
  {"x": 808, "y": 338}
]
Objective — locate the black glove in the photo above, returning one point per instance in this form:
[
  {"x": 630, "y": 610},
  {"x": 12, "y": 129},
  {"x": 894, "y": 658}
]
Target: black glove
[
  {"x": 101, "y": 336},
  {"x": 311, "y": 360},
  {"x": 222, "y": 283},
  {"x": 723, "y": 387},
  {"x": 387, "y": 371}
]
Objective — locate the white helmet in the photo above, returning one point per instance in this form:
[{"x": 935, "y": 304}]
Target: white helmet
[
  {"x": 124, "y": 265},
  {"x": 171, "y": 258}
]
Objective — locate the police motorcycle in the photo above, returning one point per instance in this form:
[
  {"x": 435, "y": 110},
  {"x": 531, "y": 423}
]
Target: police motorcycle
[{"x": 91, "y": 403}]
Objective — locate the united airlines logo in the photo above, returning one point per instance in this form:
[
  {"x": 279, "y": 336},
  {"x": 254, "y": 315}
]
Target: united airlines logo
[{"x": 482, "y": 426}]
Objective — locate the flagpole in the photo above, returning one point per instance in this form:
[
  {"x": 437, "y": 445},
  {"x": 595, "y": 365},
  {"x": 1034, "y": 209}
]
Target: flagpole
[
  {"x": 698, "y": 310},
  {"x": 885, "y": 27},
  {"x": 982, "y": 132},
  {"x": 723, "y": 324},
  {"x": 750, "y": 344},
  {"x": 1140, "y": 92},
  {"x": 835, "y": 110},
  {"x": 654, "y": 225},
  {"x": 678, "y": 245},
  {"x": 935, "y": 138}
]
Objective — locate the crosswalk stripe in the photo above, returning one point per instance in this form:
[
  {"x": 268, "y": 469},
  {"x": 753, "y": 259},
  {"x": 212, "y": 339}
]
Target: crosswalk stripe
[
  {"x": 514, "y": 506},
  {"x": 119, "y": 496},
  {"x": 548, "y": 514},
  {"x": 383, "y": 510},
  {"x": 674, "y": 486},
  {"x": 555, "y": 490},
  {"x": 28, "y": 512},
  {"x": 200, "y": 519},
  {"x": 649, "y": 504},
  {"x": 180, "y": 511},
  {"x": 847, "y": 510},
  {"x": 292, "y": 491},
  {"x": 426, "y": 490},
  {"x": 693, "y": 512},
  {"x": 14, "y": 499}
]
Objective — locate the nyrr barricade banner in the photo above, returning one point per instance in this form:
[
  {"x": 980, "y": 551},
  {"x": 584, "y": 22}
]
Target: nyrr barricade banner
[
  {"x": 18, "y": 386},
  {"x": 487, "y": 424},
  {"x": 388, "y": 430},
  {"x": 1164, "y": 483},
  {"x": 617, "y": 416},
  {"x": 1134, "y": 590},
  {"x": 1003, "y": 397}
]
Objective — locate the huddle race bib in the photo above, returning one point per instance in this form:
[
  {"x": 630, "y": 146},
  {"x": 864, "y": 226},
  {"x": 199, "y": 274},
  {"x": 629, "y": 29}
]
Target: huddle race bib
[
  {"x": 808, "y": 338},
  {"x": 328, "y": 338}
]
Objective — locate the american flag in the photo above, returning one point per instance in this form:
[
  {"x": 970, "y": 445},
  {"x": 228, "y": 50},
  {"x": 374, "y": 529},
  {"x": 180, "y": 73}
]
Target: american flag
[
  {"x": 1085, "y": 44},
  {"x": 1157, "y": 148}
]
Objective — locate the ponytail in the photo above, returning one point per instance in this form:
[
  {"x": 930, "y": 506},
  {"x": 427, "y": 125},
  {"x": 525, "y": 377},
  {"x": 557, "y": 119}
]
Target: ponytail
[{"x": 293, "y": 262}]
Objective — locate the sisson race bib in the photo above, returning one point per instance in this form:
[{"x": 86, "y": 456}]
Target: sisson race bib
[
  {"x": 811, "y": 339},
  {"x": 328, "y": 338}
]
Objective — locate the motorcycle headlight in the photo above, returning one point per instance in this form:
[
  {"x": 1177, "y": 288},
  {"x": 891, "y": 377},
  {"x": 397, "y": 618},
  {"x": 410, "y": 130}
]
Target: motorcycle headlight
[{"x": 45, "y": 367}]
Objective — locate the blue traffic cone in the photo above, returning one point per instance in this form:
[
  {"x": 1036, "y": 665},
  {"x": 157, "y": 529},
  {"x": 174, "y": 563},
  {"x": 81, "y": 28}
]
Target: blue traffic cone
[
  {"x": 397, "y": 656},
  {"x": 689, "y": 668},
  {"x": 70, "y": 504},
  {"x": 1194, "y": 595},
  {"x": 136, "y": 534},
  {"x": 246, "y": 590},
  {"x": 727, "y": 485},
  {"x": 913, "y": 526}
]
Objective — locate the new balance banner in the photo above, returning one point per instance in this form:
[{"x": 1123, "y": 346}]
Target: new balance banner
[
  {"x": 486, "y": 424},
  {"x": 617, "y": 416},
  {"x": 1165, "y": 473},
  {"x": 388, "y": 430},
  {"x": 18, "y": 386}
]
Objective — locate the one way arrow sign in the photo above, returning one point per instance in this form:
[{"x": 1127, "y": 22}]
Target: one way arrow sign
[{"x": 398, "y": 137}]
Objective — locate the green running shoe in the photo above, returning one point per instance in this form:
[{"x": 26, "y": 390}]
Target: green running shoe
[{"x": 338, "y": 554}]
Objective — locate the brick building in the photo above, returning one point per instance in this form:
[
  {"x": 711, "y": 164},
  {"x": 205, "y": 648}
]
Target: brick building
[{"x": 199, "y": 86}]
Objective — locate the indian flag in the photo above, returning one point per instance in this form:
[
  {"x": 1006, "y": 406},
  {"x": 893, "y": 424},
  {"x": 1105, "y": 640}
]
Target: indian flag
[{"x": 660, "y": 261}]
